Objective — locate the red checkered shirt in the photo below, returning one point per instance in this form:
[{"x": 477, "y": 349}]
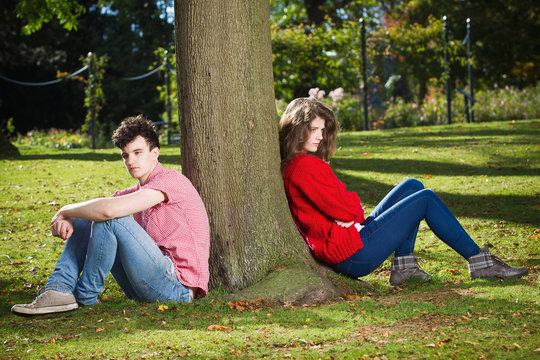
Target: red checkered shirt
[{"x": 178, "y": 225}]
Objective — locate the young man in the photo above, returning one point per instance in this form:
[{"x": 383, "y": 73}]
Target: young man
[{"x": 161, "y": 253}]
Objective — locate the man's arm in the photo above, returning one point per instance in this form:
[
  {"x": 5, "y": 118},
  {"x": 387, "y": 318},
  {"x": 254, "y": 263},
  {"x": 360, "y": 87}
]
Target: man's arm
[{"x": 102, "y": 209}]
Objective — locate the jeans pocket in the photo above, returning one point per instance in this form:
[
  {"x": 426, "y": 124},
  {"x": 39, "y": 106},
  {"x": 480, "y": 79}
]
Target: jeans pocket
[{"x": 170, "y": 271}]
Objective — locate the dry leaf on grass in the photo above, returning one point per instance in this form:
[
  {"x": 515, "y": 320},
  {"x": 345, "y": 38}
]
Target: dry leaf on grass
[{"x": 219, "y": 328}]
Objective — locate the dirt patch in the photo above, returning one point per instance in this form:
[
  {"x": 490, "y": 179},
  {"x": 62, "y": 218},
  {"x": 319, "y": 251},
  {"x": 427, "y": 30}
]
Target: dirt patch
[{"x": 435, "y": 297}]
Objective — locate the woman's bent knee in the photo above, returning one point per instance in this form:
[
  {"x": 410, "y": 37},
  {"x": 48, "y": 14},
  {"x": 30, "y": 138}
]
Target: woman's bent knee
[{"x": 414, "y": 184}]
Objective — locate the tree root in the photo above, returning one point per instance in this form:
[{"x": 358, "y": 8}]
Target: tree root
[{"x": 302, "y": 284}]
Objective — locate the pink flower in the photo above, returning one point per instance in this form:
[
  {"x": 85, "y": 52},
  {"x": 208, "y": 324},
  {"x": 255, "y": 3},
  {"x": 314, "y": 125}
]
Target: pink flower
[
  {"x": 414, "y": 105},
  {"x": 337, "y": 94},
  {"x": 507, "y": 87},
  {"x": 316, "y": 93}
]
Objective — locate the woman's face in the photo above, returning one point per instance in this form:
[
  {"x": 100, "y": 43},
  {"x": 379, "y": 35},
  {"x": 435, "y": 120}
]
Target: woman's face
[{"x": 315, "y": 135}]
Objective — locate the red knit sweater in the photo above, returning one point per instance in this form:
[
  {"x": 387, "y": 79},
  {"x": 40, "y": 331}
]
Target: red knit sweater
[{"x": 316, "y": 198}]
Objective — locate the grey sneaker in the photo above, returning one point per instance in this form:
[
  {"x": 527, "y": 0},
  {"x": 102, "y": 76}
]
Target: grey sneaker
[
  {"x": 404, "y": 268},
  {"x": 488, "y": 266},
  {"x": 48, "y": 302}
]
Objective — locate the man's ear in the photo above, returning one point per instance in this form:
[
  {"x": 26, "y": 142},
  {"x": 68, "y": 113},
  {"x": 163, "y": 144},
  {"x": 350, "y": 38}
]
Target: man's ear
[{"x": 156, "y": 152}]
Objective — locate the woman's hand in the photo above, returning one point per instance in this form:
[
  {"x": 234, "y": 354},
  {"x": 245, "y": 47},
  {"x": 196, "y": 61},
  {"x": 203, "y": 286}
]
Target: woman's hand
[{"x": 343, "y": 223}]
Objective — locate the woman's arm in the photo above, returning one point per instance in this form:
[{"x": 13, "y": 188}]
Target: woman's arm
[{"x": 316, "y": 180}]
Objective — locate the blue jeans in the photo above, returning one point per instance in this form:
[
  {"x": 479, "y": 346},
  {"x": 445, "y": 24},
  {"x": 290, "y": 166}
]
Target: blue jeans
[
  {"x": 392, "y": 227},
  {"x": 121, "y": 247}
]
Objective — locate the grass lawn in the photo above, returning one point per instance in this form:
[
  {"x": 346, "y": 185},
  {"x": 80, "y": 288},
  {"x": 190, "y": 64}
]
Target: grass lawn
[{"x": 487, "y": 173}]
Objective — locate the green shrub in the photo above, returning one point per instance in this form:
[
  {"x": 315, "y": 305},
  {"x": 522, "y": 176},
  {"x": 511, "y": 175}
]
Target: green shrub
[
  {"x": 54, "y": 138},
  {"x": 490, "y": 105},
  {"x": 506, "y": 103}
]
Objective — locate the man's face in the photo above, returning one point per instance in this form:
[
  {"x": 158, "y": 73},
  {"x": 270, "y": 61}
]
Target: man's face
[{"x": 139, "y": 159}]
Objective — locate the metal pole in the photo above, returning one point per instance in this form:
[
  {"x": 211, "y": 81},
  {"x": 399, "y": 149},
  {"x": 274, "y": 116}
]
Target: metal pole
[
  {"x": 447, "y": 72},
  {"x": 470, "y": 68},
  {"x": 167, "y": 98},
  {"x": 91, "y": 99},
  {"x": 364, "y": 75}
]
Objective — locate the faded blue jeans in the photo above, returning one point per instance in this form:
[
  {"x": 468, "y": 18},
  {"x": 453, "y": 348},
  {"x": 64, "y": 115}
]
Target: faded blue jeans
[
  {"x": 121, "y": 247},
  {"x": 392, "y": 227}
]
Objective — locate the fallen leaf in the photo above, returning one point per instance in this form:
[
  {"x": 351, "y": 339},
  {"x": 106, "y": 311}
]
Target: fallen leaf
[
  {"x": 219, "y": 328},
  {"x": 100, "y": 330},
  {"x": 517, "y": 345},
  {"x": 163, "y": 307},
  {"x": 429, "y": 176}
]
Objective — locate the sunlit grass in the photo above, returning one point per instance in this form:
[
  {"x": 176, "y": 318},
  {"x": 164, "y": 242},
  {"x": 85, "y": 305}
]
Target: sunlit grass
[{"x": 487, "y": 173}]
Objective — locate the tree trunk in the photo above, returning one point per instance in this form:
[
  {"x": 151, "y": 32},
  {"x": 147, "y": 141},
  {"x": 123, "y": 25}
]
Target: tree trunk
[
  {"x": 229, "y": 135},
  {"x": 6, "y": 147}
]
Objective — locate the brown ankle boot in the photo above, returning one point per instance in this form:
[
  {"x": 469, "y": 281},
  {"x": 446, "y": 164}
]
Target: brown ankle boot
[
  {"x": 404, "y": 268},
  {"x": 488, "y": 266}
]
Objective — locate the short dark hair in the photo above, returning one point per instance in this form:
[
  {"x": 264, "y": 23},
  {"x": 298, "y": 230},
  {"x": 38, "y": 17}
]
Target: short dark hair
[{"x": 132, "y": 127}]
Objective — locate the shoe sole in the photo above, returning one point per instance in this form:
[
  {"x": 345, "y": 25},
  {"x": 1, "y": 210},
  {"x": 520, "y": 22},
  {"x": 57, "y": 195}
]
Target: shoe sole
[
  {"x": 412, "y": 278},
  {"x": 44, "y": 310}
]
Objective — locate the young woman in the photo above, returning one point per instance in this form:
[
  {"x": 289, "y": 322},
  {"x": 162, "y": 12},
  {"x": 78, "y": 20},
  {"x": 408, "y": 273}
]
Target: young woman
[{"x": 331, "y": 219}]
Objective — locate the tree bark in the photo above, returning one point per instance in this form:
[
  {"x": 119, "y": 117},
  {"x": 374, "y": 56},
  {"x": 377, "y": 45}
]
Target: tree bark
[
  {"x": 6, "y": 147},
  {"x": 229, "y": 136}
]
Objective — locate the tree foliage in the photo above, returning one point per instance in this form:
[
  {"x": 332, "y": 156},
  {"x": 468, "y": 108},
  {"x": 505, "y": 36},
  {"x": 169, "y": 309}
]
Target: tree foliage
[
  {"x": 35, "y": 13},
  {"x": 127, "y": 33},
  {"x": 316, "y": 50},
  {"x": 316, "y": 44}
]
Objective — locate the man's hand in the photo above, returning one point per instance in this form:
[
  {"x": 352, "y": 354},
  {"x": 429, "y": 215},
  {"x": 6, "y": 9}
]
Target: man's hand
[
  {"x": 343, "y": 223},
  {"x": 61, "y": 226}
]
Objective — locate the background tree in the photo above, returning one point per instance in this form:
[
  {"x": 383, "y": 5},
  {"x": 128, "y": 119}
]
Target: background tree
[
  {"x": 230, "y": 147},
  {"x": 37, "y": 13},
  {"x": 503, "y": 33},
  {"x": 36, "y": 58},
  {"x": 503, "y": 49},
  {"x": 316, "y": 44},
  {"x": 126, "y": 32}
]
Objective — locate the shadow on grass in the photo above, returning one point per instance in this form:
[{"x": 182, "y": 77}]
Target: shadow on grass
[
  {"x": 407, "y": 166},
  {"x": 512, "y": 208},
  {"x": 456, "y": 136},
  {"x": 87, "y": 156}
]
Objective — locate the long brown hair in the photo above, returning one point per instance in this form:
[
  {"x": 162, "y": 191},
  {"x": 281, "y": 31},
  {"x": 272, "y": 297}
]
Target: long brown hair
[{"x": 294, "y": 128}]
